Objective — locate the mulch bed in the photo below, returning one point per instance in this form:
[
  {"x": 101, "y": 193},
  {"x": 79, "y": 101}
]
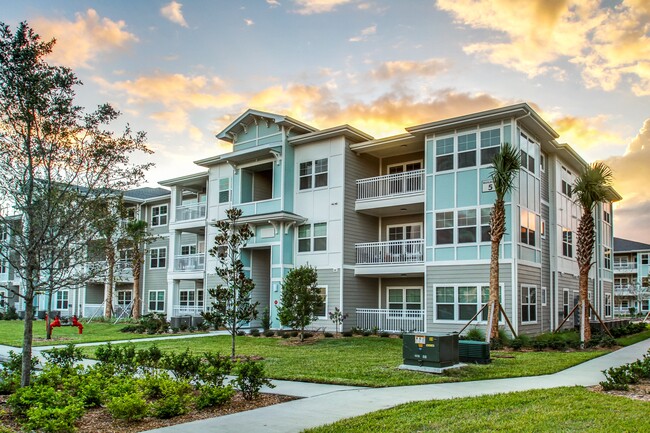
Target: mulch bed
[
  {"x": 99, "y": 420},
  {"x": 639, "y": 391}
]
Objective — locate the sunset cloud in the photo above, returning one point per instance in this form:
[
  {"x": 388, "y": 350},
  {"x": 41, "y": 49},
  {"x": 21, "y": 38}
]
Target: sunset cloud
[
  {"x": 607, "y": 44},
  {"x": 585, "y": 133},
  {"x": 368, "y": 31},
  {"x": 173, "y": 13},
  {"x": 309, "y": 7},
  {"x": 404, "y": 68},
  {"x": 82, "y": 41}
]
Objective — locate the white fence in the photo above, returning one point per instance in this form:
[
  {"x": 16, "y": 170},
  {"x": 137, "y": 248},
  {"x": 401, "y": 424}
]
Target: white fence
[
  {"x": 390, "y": 185},
  {"x": 390, "y": 320},
  {"x": 187, "y": 310},
  {"x": 375, "y": 253}
]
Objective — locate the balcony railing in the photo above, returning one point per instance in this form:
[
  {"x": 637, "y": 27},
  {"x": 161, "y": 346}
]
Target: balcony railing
[
  {"x": 625, "y": 267},
  {"x": 377, "y": 253},
  {"x": 189, "y": 262},
  {"x": 625, "y": 289},
  {"x": 390, "y": 185},
  {"x": 189, "y": 212},
  {"x": 390, "y": 320},
  {"x": 188, "y": 310}
]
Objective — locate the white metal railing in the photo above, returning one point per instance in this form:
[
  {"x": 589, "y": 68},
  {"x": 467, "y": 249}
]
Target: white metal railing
[
  {"x": 625, "y": 266},
  {"x": 390, "y": 320},
  {"x": 625, "y": 289},
  {"x": 93, "y": 310},
  {"x": 189, "y": 262},
  {"x": 191, "y": 211},
  {"x": 188, "y": 310},
  {"x": 405, "y": 251},
  {"x": 390, "y": 185}
]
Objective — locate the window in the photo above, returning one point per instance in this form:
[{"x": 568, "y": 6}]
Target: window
[
  {"x": 566, "y": 188},
  {"x": 158, "y": 258},
  {"x": 565, "y": 303},
  {"x": 3, "y": 266},
  {"x": 403, "y": 232},
  {"x": 186, "y": 250},
  {"x": 186, "y": 298},
  {"x": 490, "y": 142},
  {"x": 159, "y": 215},
  {"x": 544, "y": 297},
  {"x": 542, "y": 229},
  {"x": 542, "y": 162},
  {"x": 313, "y": 174},
  {"x": 528, "y": 227},
  {"x": 312, "y": 235},
  {"x": 485, "y": 224},
  {"x": 124, "y": 298},
  {"x": 445, "y": 154},
  {"x": 467, "y": 226},
  {"x": 322, "y": 292},
  {"x": 445, "y": 303},
  {"x": 224, "y": 190},
  {"x": 528, "y": 304},
  {"x": 567, "y": 243},
  {"x": 607, "y": 256},
  {"x": 157, "y": 300},
  {"x": 62, "y": 297},
  {"x": 405, "y": 298},
  {"x": 466, "y": 150},
  {"x": 4, "y": 234},
  {"x": 608, "y": 304},
  {"x": 607, "y": 217},
  {"x": 467, "y": 302},
  {"x": 644, "y": 259},
  {"x": 444, "y": 228}
]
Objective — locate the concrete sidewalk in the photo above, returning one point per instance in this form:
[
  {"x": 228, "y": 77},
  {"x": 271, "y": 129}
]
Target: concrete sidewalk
[{"x": 325, "y": 404}]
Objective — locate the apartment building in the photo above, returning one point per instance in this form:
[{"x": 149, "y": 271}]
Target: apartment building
[
  {"x": 396, "y": 227},
  {"x": 631, "y": 272}
]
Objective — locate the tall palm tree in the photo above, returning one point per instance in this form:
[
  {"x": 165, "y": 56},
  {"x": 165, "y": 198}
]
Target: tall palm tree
[
  {"x": 505, "y": 167},
  {"x": 138, "y": 236},
  {"x": 590, "y": 188}
]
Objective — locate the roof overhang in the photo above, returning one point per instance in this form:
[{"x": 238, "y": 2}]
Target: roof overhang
[
  {"x": 352, "y": 134},
  {"x": 273, "y": 217},
  {"x": 190, "y": 179},
  {"x": 243, "y": 156},
  {"x": 389, "y": 146},
  {"x": 253, "y": 116}
]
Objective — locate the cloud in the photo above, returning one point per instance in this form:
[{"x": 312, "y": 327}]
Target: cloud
[
  {"x": 607, "y": 44},
  {"x": 309, "y": 7},
  {"x": 173, "y": 13},
  {"x": 249, "y": 22},
  {"x": 273, "y": 3},
  {"x": 400, "y": 69},
  {"x": 364, "y": 34},
  {"x": 584, "y": 133},
  {"x": 630, "y": 180},
  {"x": 82, "y": 41}
]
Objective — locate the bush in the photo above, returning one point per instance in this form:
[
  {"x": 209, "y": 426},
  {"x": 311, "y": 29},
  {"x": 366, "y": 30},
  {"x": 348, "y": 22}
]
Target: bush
[
  {"x": 11, "y": 314},
  {"x": 211, "y": 396},
  {"x": 250, "y": 379},
  {"x": 215, "y": 369},
  {"x": 183, "y": 365},
  {"x": 385, "y": 334},
  {"x": 266, "y": 319},
  {"x": 367, "y": 333},
  {"x": 241, "y": 333},
  {"x": 475, "y": 334},
  {"x": 285, "y": 335},
  {"x": 347, "y": 334},
  {"x": 328, "y": 335},
  {"x": 31, "y": 396},
  {"x": 150, "y": 357},
  {"x": 269, "y": 333},
  {"x": 170, "y": 406},
  {"x": 294, "y": 333},
  {"x": 128, "y": 407},
  {"x": 307, "y": 335},
  {"x": 54, "y": 419},
  {"x": 520, "y": 342},
  {"x": 65, "y": 357},
  {"x": 255, "y": 332}
]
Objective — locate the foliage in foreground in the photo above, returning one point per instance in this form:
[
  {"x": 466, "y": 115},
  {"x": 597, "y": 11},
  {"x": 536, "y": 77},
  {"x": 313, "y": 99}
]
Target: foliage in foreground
[
  {"x": 619, "y": 378},
  {"x": 554, "y": 410}
]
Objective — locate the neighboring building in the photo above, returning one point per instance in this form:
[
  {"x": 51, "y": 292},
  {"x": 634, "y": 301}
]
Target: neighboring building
[
  {"x": 396, "y": 227},
  {"x": 631, "y": 271}
]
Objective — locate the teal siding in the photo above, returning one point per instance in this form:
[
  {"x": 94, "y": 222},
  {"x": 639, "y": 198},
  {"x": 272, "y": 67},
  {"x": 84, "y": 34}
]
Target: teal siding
[
  {"x": 444, "y": 191},
  {"x": 467, "y": 188}
]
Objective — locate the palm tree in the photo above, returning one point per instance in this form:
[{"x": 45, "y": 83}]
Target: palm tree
[
  {"x": 138, "y": 236},
  {"x": 590, "y": 188},
  {"x": 505, "y": 167}
]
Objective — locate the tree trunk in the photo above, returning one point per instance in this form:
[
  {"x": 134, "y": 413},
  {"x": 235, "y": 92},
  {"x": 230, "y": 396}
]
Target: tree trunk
[
  {"x": 48, "y": 331},
  {"x": 497, "y": 229},
  {"x": 135, "y": 310},
  {"x": 584, "y": 255},
  {"x": 110, "y": 278},
  {"x": 26, "y": 375},
  {"x": 233, "y": 332}
]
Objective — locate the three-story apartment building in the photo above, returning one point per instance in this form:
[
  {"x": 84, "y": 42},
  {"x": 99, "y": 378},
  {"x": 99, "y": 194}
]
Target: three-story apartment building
[{"x": 631, "y": 276}]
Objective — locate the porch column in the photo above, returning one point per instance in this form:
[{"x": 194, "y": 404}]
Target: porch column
[{"x": 172, "y": 288}]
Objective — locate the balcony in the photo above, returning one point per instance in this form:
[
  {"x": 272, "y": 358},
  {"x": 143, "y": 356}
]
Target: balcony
[
  {"x": 390, "y": 257},
  {"x": 188, "y": 310},
  {"x": 122, "y": 272},
  {"x": 625, "y": 290},
  {"x": 625, "y": 268},
  {"x": 390, "y": 320},
  {"x": 189, "y": 212},
  {"x": 390, "y": 194},
  {"x": 189, "y": 263}
]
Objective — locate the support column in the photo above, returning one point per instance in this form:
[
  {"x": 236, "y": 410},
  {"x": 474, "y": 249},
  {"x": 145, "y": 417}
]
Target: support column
[{"x": 172, "y": 290}]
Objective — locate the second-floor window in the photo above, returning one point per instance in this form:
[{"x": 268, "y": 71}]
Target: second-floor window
[
  {"x": 567, "y": 243},
  {"x": 528, "y": 227},
  {"x": 158, "y": 258},
  {"x": 159, "y": 215},
  {"x": 3, "y": 266},
  {"x": 224, "y": 190},
  {"x": 490, "y": 145},
  {"x": 313, "y": 174},
  {"x": 312, "y": 237}
]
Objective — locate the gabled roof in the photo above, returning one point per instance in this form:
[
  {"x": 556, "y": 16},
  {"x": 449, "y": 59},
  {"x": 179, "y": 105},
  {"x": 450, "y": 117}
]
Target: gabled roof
[
  {"x": 253, "y": 116},
  {"x": 626, "y": 245},
  {"x": 146, "y": 193},
  {"x": 351, "y": 133}
]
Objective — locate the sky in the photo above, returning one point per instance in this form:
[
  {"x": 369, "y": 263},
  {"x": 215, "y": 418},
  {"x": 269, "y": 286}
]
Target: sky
[{"x": 181, "y": 71}]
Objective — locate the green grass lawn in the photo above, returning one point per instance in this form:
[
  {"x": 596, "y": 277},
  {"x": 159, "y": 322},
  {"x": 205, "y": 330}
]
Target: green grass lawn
[
  {"x": 368, "y": 361},
  {"x": 634, "y": 338},
  {"x": 11, "y": 333},
  {"x": 556, "y": 410}
]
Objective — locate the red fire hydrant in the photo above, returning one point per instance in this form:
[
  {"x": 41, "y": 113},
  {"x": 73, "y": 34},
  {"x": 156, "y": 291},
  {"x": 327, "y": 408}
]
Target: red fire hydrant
[{"x": 78, "y": 324}]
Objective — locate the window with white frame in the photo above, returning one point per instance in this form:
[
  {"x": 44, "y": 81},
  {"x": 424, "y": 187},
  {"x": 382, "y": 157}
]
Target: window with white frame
[
  {"x": 485, "y": 224},
  {"x": 565, "y": 303},
  {"x": 607, "y": 258},
  {"x": 186, "y": 297},
  {"x": 403, "y": 232},
  {"x": 313, "y": 174},
  {"x": 467, "y": 302},
  {"x": 461, "y": 303},
  {"x": 404, "y": 298},
  {"x": 158, "y": 258},
  {"x": 607, "y": 216},
  {"x": 312, "y": 237},
  {"x": 528, "y": 304},
  {"x": 224, "y": 190},
  {"x": 444, "y": 228},
  {"x": 528, "y": 149},
  {"x": 186, "y": 250},
  {"x": 490, "y": 144},
  {"x": 544, "y": 297},
  {"x": 567, "y": 243},
  {"x": 608, "y": 304},
  {"x": 156, "y": 300},
  {"x": 445, "y": 303},
  {"x": 467, "y": 150},
  {"x": 4, "y": 234},
  {"x": 159, "y": 215},
  {"x": 62, "y": 299},
  {"x": 445, "y": 154},
  {"x": 542, "y": 162},
  {"x": 645, "y": 259},
  {"x": 124, "y": 298},
  {"x": 528, "y": 227},
  {"x": 4, "y": 268},
  {"x": 322, "y": 292},
  {"x": 542, "y": 229},
  {"x": 466, "y": 226}
]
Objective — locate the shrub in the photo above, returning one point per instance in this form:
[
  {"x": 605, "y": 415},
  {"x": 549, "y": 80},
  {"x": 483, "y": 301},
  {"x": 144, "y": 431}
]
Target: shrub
[
  {"x": 65, "y": 357},
  {"x": 328, "y": 335},
  {"x": 520, "y": 342},
  {"x": 255, "y": 332},
  {"x": 475, "y": 334},
  {"x": 294, "y": 333},
  {"x": 11, "y": 314},
  {"x": 286, "y": 335},
  {"x": 122, "y": 386},
  {"x": 31, "y": 396},
  {"x": 211, "y": 396},
  {"x": 250, "y": 379},
  {"x": 128, "y": 407},
  {"x": 241, "y": 333},
  {"x": 347, "y": 334},
  {"x": 367, "y": 333},
  {"x": 269, "y": 333},
  {"x": 54, "y": 419},
  {"x": 215, "y": 369},
  {"x": 149, "y": 357},
  {"x": 170, "y": 406},
  {"x": 385, "y": 334},
  {"x": 307, "y": 335},
  {"x": 266, "y": 319},
  {"x": 183, "y": 365}
]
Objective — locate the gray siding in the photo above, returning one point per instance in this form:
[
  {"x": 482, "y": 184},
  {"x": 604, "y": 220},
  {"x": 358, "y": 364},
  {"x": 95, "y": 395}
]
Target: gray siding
[
  {"x": 261, "y": 276},
  {"x": 398, "y": 282},
  {"x": 570, "y": 282},
  {"x": 332, "y": 280},
  {"x": 399, "y": 220},
  {"x": 532, "y": 277},
  {"x": 95, "y": 293},
  {"x": 544, "y": 181},
  {"x": 357, "y": 293},
  {"x": 357, "y": 227}
]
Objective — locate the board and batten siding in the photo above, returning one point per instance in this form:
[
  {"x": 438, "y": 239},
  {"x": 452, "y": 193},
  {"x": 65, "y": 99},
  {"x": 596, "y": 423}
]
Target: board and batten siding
[
  {"x": 357, "y": 227},
  {"x": 261, "y": 275},
  {"x": 458, "y": 275},
  {"x": 357, "y": 293}
]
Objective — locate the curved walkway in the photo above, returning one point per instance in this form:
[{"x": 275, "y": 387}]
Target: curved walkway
[{"x": 325, "y": 404}]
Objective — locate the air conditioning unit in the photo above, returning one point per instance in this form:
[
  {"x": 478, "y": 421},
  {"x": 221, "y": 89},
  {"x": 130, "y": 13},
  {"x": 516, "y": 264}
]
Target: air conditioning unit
[
  {"x": 477, "y": 352},
  {"x": 430, "y": 350}
]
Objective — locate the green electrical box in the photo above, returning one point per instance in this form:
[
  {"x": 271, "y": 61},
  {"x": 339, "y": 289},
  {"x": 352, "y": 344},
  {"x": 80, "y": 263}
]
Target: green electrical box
[
  {"x": 430, "y": 350},
  {"x": 474, "y": 351}
]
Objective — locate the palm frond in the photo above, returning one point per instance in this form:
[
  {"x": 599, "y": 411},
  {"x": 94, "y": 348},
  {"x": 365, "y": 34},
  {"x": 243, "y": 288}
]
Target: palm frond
[
  {"x": 505, "y": 166},
  {"x": 592, "y": 186}
]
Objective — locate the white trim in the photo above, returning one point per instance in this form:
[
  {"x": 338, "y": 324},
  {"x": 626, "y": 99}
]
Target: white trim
[
  {"x": 166, "y": 215},
  {"x": 158, "y": 258},
  {"x": 326, "y": 287},
  {"x": 404, "y": 164},
  {"x": 521, "y": 303},
  {"x": 403, "y": 226},
  {"x": 403, "y": 289}
]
